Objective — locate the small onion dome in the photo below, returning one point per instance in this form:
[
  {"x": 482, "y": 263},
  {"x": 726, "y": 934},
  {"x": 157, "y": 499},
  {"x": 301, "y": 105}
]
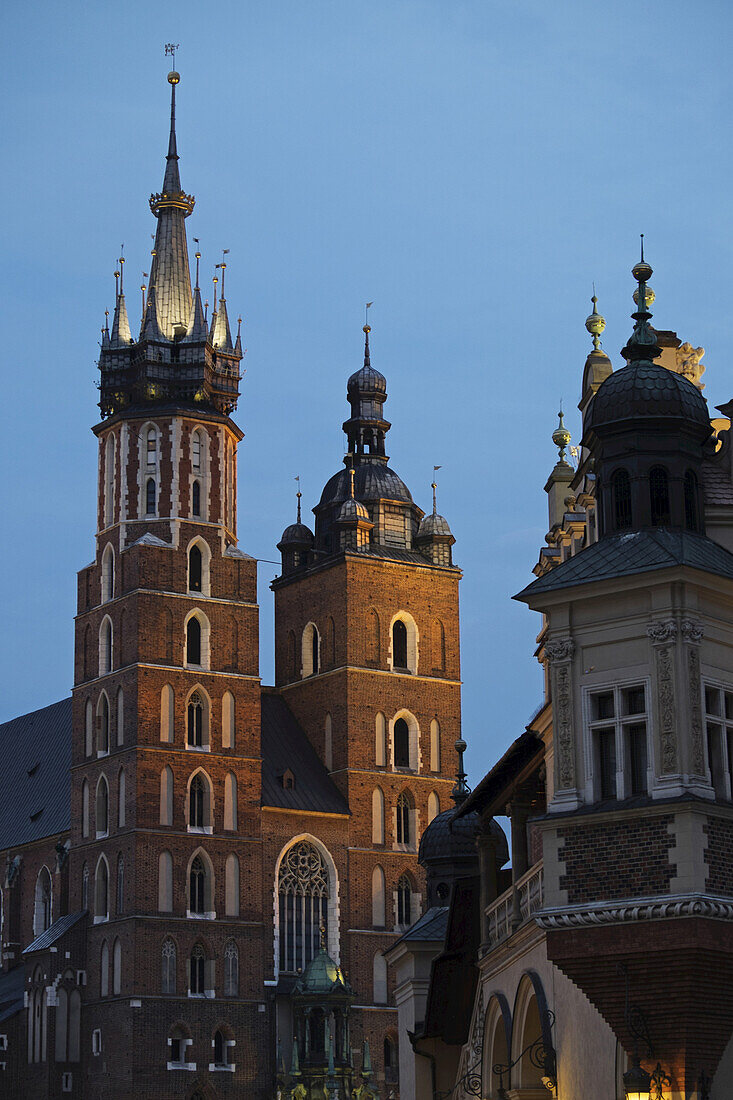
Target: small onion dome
[
  {"x": 298, "y": 536},
  {"x": 366, "y": 380},
  {"x": 647, "y": 390},
  {"x": 432, "y": 526},
  {"x": 446, "y": 839},
  {"x": 322, "y": 977},
  {"x": 352, "y": 510}
]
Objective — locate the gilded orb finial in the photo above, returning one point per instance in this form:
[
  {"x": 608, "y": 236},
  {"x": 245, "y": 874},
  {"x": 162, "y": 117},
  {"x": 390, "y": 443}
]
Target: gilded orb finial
[
  {"x": 170, "y": 50},
  {"x": 595, "y": 323},
  {"x": 561, "y": 436}
]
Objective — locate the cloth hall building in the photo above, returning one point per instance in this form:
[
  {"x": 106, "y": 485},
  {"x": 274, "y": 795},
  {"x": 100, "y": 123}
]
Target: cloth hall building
[{"x": 200, "y": 874}]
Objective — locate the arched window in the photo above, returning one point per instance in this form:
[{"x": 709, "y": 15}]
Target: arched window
[
  {"x": 167, "y": 701},
  {"x": 200, "y": 887},
  {"x": 88, "y": 728},
  {"x": 166, "y": 796},
  {"x": 109, "y": 481},
  {"x": 85, "y": 887},
  {"x": 103, "y": 725},
  {"x": 303, "y": 892},
  {"x": 692, "y": 521},
  {"x": 108, "y": 573},
  {"x": 391, "y": 1064},
  {"x": 220, "y": 1049},
  {"x": 193, "y": 641},
  {"x": 101, "y": 808},
  {"x": 168, "y": 960},
  {"x": 199, "y": 802},
  {"x": 85, "y": 808},
  {"x": 150, "y": 497},
  {"x": 196, "y": 721},
  {"x": 152, "y": 448},
  {"x": 120, "y": 717},
  {"x": 399, "y": 645},
  {"x": 310, "y": 651},
  {"x": 404, "y": 902},
  {"x": 101, "y": 891},
  {"x": 194, "y": 568},
  {"x": 231, "y": 885},
  {"x": 231, "y": 970},
  {"x": 435, "y": 745},
  {"x": 196, "y": 498},
  {"x": 230, "y": 802},
  {"x": 42, "y": 902},
  {"x": 401, "y": 744},
  {"x": 379, "y": 901},
  {"x": 621, "y": 496},
  {"x": 105, "y": 646},
  {"x": 121, "y": 799},
  {"x": 380, "y": 979},
  {"x": 227, "y": 720},
  {"x": 403, "y": 831},
  {"x": 433, "y": 806},
  {"x": 117, "y": 967},
  {"x": 328, "y": 743},
  {"x": 380, "y": 742},
  {"x": 377, "y": 816},
  {"x": 120, "y": 885},
  {"x": 165, "y": 882},
  {"x": 196, "y": 451},
  {"x": 659, "y": 496},
  {"x": 104, "y": 970},
  {"x": 197, "y": 972}
]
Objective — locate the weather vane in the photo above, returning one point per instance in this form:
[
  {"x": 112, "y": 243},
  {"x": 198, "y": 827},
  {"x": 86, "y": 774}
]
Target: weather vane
[
  {"x": 170, "y": 48},
  {"x": 366, "y": 312}
]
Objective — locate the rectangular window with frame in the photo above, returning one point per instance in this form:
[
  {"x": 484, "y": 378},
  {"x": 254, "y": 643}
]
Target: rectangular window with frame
[
  {"x": 619, "y": 728},
  {"x": 719, "y": 738}
]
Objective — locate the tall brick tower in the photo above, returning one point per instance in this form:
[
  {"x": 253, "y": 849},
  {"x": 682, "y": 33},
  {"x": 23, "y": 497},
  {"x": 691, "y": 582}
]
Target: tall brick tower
[
  {"x": 166, "y": 699},
  {"x": 367, "y": 659}
]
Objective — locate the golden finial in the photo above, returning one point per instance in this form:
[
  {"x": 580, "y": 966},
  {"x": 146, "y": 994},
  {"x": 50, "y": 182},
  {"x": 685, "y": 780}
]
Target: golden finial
[
  {"x": 222, "y": 267},
  {"x": 434, "y": 487},
  {"x": 561, "y": 436},
  {"x": 170, "y": 49},
  {"x": 595, "y": 323},
  {"x": 351, "y": 475}
]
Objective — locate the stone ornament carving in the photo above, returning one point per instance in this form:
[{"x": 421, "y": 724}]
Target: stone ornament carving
[
  {"x": 693, "y": 673},
  {"x": 660, "y": 908},
  {"x": 687, "y": 363},
  {"x": 662, "y": 632},
  {"x": 562, "y": 706},
  {"x": 667, "y": 709},
  {"x": 692, "y": 631},
  {"x": 559, "y": 649}
]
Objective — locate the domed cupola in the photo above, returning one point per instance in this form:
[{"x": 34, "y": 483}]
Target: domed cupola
[
  {"x": 434, "y": 537},
  {"x": 296, "y": 544},
  {"x": 448, "y": 846},
  {"x": 647, "y": 428},
  {"x": 353, "y": 523},
  {"x": 366, "y": 392}
]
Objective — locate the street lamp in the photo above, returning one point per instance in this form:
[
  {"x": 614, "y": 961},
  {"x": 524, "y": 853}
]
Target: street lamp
[{"x": 637, "y": 1082}]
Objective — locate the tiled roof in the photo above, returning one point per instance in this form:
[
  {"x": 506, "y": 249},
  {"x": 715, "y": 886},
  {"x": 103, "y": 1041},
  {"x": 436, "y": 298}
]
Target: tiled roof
[
  {"x": 432, "y": 925},
  {"x": 717, "y": 486},
  {"x": 11, "y": 992},
  {"x": 286, "y": 747},
  {"x": 54, "y": 932},
  {"x": 635, "y": 552},
  {"x": 35, "y": 781}
]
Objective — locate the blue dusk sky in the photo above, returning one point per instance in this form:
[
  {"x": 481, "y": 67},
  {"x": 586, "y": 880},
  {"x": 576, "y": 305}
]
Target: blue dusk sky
[{"x": 469, "y": 166}]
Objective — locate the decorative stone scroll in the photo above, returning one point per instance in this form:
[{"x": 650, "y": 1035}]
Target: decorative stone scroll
[
  {"x": 692, "y": 633},
  {"x": 559, "y": 652},
  {"x": 662, "y": 635}
]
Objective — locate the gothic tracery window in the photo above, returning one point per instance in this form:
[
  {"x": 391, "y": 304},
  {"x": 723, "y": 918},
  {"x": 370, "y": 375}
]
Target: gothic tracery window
[
  {"x": 168, "y": 984},
  {"x": 195, "y": 720},
  {"x": 197, "y": 886},
  {"x": 303, "y": 892},
  {"x": 196, "y": 970},
  {"x": 403, "y": 819},
  {"x": 404, "y": 902},
  {"x": 231, "y": 970}
]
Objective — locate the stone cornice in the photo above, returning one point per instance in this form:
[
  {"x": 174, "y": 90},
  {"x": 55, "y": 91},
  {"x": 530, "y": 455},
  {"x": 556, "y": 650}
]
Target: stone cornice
[{"x": 628, "y": 911}]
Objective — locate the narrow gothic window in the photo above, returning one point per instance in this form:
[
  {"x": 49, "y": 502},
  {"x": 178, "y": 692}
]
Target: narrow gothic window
[
  {"x": 168, "y": 984},
  {"x": 691, "y": 515},
  {"x": 195, "y": 718},
  {"x": 197, "y": 966},
  {"x": 231, "y": 970},
  {"x": 196, "y": 803},
  {"x": 102, "y": 807},
  {"x": 193, "y": 641},
  {"x": 303, "y": 892},
  {"x": 399, "y": 644},
  {"x": 120, "y": 885},
  {"x": 196, "y": 498},
  {"x": 404, "y": 901},
  {"x": 150, "y": 497},
  {"x": 401, "y": 744},
  {"x": 198, "y": 886},
  {"x": 196, "y": 451},
  {"x": 220, "y": 1050},
  {"x": 42, "y": 908},
  {"x": 390, "y": 1061},
  {"x": 194, "y": 569},
  {"x": 403, "y": 819},
  {"x": 621, "y": 490},
  {"x": 314, "y": 651},
  {"x": 101, "y": 891},
  {"x": 85, "y": 887},
  {"x": 659, "y": 496},
  {"x": 152, "y": 446}
]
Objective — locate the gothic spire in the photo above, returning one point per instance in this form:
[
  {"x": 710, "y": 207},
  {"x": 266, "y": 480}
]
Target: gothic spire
[
  {"x": 170, "y": 277},
  {"x": 121, "y": 335}
]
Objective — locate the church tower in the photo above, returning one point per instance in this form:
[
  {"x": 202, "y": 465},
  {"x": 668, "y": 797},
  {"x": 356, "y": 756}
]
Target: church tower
[
  {"x": 166, "y": 698},
  {"x": 367, "y": 659}
]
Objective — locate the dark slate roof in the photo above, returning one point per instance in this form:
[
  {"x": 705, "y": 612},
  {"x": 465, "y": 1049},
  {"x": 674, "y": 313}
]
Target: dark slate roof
[
  {"x": 11, "y": 992},
  {"x": 634, "y": 552},
  {"x": 54, "y": 932},
  {"x": 432, "y": 925},
  {"x": 35, "y": 781},
  {"x": 372, "y": 481},
  {"x": 647, "y": 390},
  {"x": 519, "y": 754},
  {"x": 717, "y": 486},
  {"x": 285, "y": 745}
]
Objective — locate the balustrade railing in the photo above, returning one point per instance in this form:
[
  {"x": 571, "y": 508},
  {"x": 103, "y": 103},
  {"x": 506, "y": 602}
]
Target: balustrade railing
[{"x": 515, "y": 906}]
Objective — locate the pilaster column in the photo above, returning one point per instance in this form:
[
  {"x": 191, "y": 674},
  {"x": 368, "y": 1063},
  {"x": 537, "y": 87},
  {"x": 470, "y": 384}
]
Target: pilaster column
[{"x": 560, "y": 652}]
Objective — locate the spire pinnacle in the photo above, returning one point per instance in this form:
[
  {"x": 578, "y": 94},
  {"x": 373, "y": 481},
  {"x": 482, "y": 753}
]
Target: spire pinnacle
[
  {"x": 298, "y": 495},
  {"x": 595, "y": 323},
  {"x": 434, "y": 487},
  {"x": 198, "y": 257},
  {"x": 461, "y": 790},
  {"x": 366, "y": 330},
  {"x": 561, "y": 436},
  {"x": 642, "y": 346}
]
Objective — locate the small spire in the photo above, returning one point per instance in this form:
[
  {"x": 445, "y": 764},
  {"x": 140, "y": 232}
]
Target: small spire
[
  {"x": 221, "y": 336},
  {"x": 561, "y": 436},
  {"x": 366, "y": 330},
  {"x": 238, "y": 341},
  {"x": 642, "y": 346},
  {"x": 434, "y": 487},
  {"x": 206, "y": 310},
  {"x": 298, "y": 495},
  {"x": 197, "y": 327},
  {"x": 461, "y": 790},
  {"x": 198, "y": 257},
  {"x": 171, "y": 180},
  {"x": 595, "y": 323},
  {"x": 121, "y": 335}
]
